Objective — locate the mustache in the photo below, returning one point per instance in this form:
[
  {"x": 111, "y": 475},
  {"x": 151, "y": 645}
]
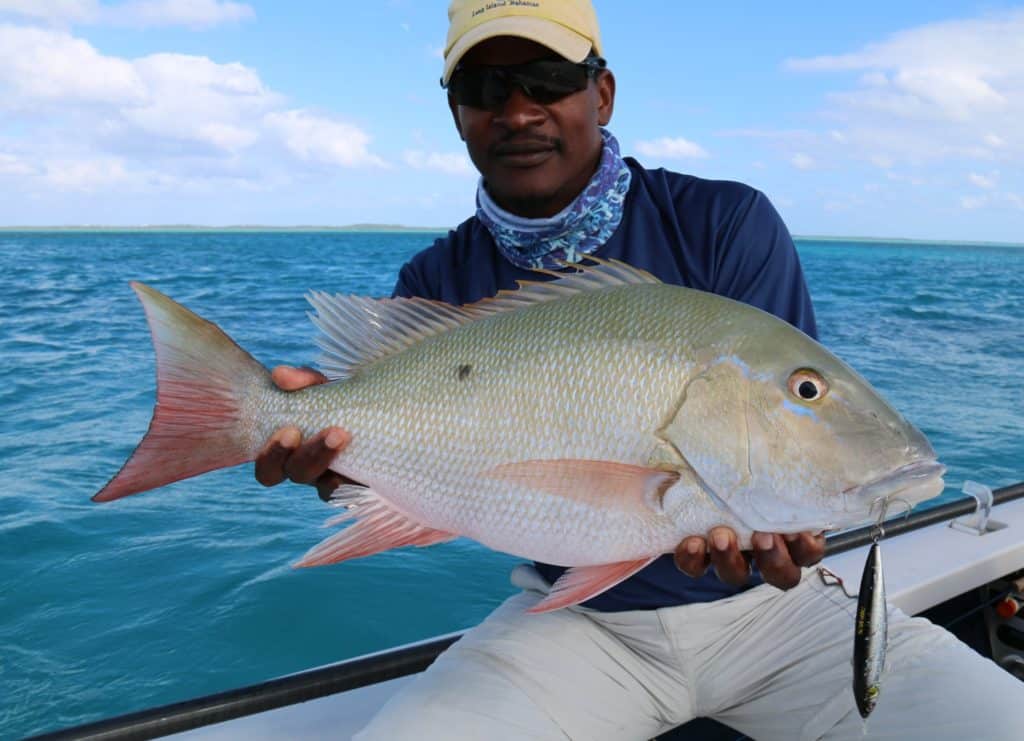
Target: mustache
[{"x": 517, "y": 142}]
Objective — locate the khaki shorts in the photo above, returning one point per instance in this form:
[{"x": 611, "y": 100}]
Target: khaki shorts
[{"x": 771, "y": 664}]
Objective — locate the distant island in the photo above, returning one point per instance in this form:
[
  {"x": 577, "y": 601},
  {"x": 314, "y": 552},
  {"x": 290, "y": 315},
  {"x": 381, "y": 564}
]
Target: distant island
[
  {"x": 231, "y": 228},
  {"x": 401, "y": 228}
]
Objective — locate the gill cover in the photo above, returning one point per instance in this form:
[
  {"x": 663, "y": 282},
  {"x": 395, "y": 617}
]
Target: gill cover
[
  {"x": 709, "y": 430},
  {"x": 753, "y": 449}
]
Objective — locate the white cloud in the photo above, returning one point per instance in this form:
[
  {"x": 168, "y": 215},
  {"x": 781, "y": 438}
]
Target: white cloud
[
  {"x": 319, "y": 139},
  {"x": 169, "y": 96},
  {"x": 937, "y": 92},
  {"x": 85, "y": 175},
  {"x": 12, "y": 165},
  {"x": 983, "y": 181},
  {"x": 53, "y": 11},
  {"x": 450, "y": 163},
  {"x": 190, "y": 13},
  {"x": 196, "y": 99},
  {"x": 957, "y": 68},
  {"x": 802, "y": 161},
  {"x": 196, "y": 14},
  {"x": 165, "y": 121},
  {"x": 971, "y": 203},
  {"x": 39, "y": 65},
  {"x": 671, "y": 148}
]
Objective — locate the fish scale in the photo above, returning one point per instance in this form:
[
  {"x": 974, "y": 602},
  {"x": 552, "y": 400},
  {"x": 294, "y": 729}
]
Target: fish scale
[
  {"x": 591, "y": 421},
  {"x": 455, "y": 497}
]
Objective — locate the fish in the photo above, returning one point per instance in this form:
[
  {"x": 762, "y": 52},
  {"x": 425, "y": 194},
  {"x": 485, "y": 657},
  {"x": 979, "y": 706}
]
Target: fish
[
  {"x": 870, "y": 634},
  {"x": 591, "y": 418}
]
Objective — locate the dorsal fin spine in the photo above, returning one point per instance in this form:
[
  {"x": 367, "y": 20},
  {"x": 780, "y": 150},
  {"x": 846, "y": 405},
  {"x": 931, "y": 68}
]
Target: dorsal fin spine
[{"x": 357, "y": 330}]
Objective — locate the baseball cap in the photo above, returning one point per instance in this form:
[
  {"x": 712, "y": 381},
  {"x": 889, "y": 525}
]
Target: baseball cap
[{"x": 568, "y": 27}]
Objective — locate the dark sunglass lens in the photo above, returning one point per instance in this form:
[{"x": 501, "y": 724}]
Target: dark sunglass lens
[
  {"x": 545, "y": 81},
  {"x": 495, "y": 89},
  {"x": 548, "y": 82},
  {"x": 544, "y": 93},
  {"x": 567, "y": 75},
  {"x": 479, "y": 87},
  {"x": 465, "y": 87}
]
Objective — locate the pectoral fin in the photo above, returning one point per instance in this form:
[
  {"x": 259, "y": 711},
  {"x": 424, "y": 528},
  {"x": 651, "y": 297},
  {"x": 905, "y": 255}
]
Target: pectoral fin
[
  {"x": 589, "y": 481},
  {"x": 581, "y": 583}
]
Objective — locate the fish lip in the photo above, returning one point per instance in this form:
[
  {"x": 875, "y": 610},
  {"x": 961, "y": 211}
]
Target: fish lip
[{"x": 896, "y": 480}]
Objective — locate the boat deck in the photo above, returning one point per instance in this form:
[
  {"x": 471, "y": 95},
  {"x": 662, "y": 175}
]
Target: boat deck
[{"x": 923, "y": 568}]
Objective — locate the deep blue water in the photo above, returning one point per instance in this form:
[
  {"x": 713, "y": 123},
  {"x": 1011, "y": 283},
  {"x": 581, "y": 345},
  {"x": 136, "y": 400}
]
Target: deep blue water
[{"x": 188, "y": 590}]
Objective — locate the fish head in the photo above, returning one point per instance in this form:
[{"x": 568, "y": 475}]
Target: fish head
[{"x": 787, "y": 437}]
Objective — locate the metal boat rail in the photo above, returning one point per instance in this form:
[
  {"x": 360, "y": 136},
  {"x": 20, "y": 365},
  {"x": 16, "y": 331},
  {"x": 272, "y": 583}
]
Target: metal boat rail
[{"x": 401, "y": 661}]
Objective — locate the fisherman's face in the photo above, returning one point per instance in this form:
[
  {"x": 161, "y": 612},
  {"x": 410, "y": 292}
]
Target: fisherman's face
[{"x": 535, "y": 158}]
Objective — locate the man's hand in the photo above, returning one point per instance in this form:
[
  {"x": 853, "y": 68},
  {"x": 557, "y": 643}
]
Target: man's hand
[
  {"x": 287, "y": 456},
  {"x": 779, "y": 557}
]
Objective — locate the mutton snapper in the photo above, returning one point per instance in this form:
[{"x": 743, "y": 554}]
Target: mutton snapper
[{"x": 591, "y": 421}]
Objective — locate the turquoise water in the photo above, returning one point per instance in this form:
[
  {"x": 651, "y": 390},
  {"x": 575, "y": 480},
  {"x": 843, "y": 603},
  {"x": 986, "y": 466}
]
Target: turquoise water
[{"x": 187, "y": 590}]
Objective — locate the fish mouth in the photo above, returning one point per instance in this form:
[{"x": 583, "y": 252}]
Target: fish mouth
[{"x": 914, "y": 482}]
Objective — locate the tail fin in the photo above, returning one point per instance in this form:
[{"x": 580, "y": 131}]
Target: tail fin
[{"x": 197, "y": 425}]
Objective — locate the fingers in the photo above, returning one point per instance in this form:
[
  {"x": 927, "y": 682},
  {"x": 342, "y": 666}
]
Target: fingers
[
  {"x": 286, "y": 456},
  {"x": 729, "y": 562},
  {"x": 271, "y": 459},
  {"x": 774, "y": 560},
  {"x": 806, "y": 549},
  {"x": 326, "y": 484},
  {"x": 720, "y": 550},
  {"x": 292, "y": 379},
  {"x": 309, "y": 461},
  {"x": 779, "y": 558},
  {"x": 691, "y": 556}
]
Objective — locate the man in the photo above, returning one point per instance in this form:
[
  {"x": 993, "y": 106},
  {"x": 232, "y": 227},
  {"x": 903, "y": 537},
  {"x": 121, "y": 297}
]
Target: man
[{"x": 530, "y": 95}]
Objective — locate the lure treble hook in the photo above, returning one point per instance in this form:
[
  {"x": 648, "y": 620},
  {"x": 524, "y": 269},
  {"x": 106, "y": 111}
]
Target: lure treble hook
[{"x": 883, "y": 504}]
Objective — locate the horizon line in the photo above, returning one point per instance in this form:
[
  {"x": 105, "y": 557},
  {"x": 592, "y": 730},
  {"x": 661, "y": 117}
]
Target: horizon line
[{"x": 393, "y": 228}]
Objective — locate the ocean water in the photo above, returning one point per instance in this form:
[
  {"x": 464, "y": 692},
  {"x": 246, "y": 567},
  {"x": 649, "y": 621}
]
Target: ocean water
[{"x": 188, "y": 590}]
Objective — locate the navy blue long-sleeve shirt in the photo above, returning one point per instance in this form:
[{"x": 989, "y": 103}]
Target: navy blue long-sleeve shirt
[{"x": 717, "y": 236}]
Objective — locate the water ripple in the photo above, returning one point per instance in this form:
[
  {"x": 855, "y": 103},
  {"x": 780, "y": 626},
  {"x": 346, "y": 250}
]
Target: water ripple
[{"x": 188, "y": 590}]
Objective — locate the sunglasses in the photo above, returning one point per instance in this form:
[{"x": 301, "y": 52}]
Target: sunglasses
[{"x": 544, "y": 81}]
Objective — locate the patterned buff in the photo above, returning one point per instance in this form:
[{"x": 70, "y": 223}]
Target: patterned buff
[{"x": 579, "y": 229}]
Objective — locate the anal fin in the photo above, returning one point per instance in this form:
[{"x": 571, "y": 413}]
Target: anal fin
[
  {"x": 581, "y": 583},
  {"x": 378, "y": 527}
]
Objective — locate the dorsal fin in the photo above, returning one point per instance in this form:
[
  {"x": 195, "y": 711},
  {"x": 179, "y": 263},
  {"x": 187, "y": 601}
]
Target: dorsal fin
[{"x": 356, "y": 331}]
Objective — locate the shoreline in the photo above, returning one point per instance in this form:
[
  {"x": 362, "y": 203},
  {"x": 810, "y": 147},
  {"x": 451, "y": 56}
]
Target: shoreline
[
  {"x": 401, "y": 229},
  {"x": 241, "y": 228}
]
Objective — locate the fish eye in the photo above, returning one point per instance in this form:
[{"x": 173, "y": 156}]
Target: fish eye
[{"x": 807, "y": 385}]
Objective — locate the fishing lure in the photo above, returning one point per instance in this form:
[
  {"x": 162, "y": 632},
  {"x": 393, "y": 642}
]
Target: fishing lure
[{"x": 870, "y": 633}]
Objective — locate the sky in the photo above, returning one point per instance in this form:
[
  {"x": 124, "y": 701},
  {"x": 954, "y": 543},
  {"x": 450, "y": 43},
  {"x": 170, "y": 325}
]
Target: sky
[{"x": 882, "y": 119}]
